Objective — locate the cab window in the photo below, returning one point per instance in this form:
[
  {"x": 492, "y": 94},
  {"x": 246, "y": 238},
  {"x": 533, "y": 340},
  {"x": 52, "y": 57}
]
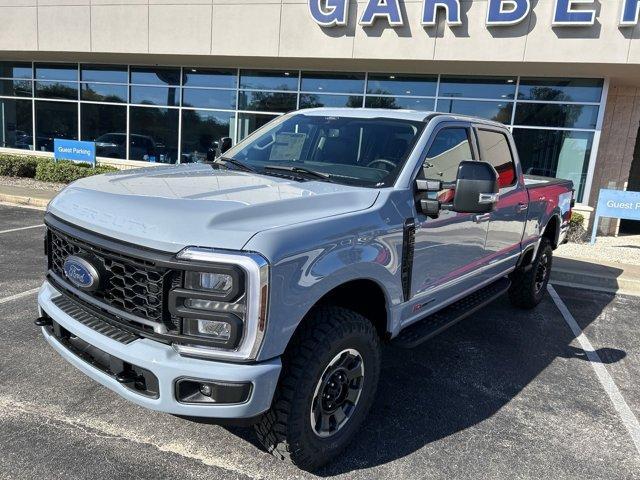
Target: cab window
[
  {"x": 494, "y": 149},
  {"x": 450, "y": 146}
]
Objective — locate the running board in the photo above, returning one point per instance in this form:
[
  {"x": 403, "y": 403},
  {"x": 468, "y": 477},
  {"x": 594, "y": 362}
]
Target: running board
[{"x": 428, "y": 327}]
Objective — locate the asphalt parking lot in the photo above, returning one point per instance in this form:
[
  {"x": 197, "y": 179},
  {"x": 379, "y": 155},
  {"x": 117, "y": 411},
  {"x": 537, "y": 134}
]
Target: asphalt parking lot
[{"x": 504, "y": 394}]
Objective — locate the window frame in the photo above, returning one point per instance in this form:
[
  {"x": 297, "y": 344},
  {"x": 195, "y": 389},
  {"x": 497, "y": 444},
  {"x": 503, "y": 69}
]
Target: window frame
[
  {"x": 512, "y": 150},
  {"x": 442, "y": 125}
]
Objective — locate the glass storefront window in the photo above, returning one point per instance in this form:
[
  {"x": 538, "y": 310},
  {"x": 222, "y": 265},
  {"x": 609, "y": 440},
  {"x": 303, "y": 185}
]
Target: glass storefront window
[
  {"x": 497, "y": 111},
  {"x": 556, "y": 115},
  {"x": 478, "y": 87},
  {"x": 62, "y": 90},
  {"x": 250, "y": 122},
  {"x": 267, "y": 101},
  {"x": 332, "y": 82},
  {"x": 560, "y": 90},
  {"x": 16, "y": 70},
  {"x": 107, "y": 126},
  {"x": 57, "y": 71},
  {"x": 16, "y": 126},
  {"x": 205, "y": 98},
  {"x": 413, "y": 85},
  {"x": 168, "y": 96},
  {"x": 203, "y": 77},
  {"x": 200, "y": 129},
  {"x": 15, "y": 88},
  {"x": 55, "y": 120},
  {"x": 155, "y": 75},
  {"x": 269, "y": 79},
  {"x": 103, "y": 73},
  {"x": 214, "y": 102},
  {"x": 103, "y": 92},
  {"x": 312, "y": 100},
  {"x": 555, "y": 153},
  {"x": 427, "y": 104},
  {"x": 153, "y": 134},
  {"x": 57, "y": 80}
]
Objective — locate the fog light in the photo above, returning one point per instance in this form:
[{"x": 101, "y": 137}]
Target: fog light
[
  {"x": 193, "y": 390},
  {"x": 215, "y": 329}
]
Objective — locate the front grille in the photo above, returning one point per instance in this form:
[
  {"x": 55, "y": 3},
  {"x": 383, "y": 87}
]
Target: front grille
[{"x": 132, "y": 285}]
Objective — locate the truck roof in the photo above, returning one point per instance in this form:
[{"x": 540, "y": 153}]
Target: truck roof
[{"x": 400, "y": 114}]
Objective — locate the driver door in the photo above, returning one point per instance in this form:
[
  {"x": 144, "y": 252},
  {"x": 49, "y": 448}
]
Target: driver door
[{"x": 449, "y": 249}]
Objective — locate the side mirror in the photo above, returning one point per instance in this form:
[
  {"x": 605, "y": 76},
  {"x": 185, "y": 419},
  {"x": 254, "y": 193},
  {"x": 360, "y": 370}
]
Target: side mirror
[
  {"x": 476, "y": 190},
  {"x": 212, "y": 152},
  {"x": 224, "y": 144}
]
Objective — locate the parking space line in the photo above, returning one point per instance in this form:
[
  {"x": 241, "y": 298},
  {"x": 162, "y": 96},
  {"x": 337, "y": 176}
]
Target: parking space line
[
  {"x": 21, "y": 228},
  {"x": 628, "y": 418},
  {"x": 10, "y": 298}
]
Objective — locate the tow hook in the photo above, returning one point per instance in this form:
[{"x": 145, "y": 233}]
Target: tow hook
[
  {"x": 42, "y": 321},
  {"x": 126, "y": 377}
]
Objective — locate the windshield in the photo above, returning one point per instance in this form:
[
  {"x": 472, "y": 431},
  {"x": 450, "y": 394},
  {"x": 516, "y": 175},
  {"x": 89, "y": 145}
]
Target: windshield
[{"x": 358, "y": 151}]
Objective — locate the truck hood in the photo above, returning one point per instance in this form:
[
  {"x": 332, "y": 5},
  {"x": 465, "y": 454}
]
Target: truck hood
[{"x": 169, "y": 208}]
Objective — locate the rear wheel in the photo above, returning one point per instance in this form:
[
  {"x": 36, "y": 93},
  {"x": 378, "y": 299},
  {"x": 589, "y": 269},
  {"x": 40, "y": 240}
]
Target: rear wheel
[
  {"x": 328, "y": 383},
  {"x": 528, "y": 287}
]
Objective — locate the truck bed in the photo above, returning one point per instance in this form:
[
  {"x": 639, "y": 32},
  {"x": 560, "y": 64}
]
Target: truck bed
[{"x": 535, "y": 181}]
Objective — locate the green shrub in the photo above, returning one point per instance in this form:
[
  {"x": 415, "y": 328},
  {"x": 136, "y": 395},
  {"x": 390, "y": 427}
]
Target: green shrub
[
  {"x": 577, "y": 219},
  {"x": 64, "y": 171},
  {"x": 577, "y": 231},
  {"x": 19, "y": 165}
]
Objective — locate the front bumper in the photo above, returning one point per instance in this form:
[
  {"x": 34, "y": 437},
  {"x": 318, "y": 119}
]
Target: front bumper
[{"x": 167, "y": 365}]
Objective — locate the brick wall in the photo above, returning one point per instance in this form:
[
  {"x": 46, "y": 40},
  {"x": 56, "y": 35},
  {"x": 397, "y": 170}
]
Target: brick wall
[{"x": 617, "y": 145}]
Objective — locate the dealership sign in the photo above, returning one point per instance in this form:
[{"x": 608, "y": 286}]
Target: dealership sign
[
  {"x": 331, "y": 13},
  {"x": 616, "y": 204}
]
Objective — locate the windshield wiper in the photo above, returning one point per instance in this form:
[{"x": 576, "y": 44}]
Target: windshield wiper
[
  {"x": 234, "y": 162},
  {"x": 301, "y": 171}
]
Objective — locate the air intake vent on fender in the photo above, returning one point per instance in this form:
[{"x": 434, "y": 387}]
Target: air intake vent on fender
[{"x": 408, "y": 245}]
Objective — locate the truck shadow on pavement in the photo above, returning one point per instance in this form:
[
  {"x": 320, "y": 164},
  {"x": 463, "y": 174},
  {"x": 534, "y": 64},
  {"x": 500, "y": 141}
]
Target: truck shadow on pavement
[{"x": 457, "y": 380}]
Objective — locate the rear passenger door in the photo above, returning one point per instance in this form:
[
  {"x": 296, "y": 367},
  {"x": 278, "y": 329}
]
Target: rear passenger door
[{"x": 507, "y": 221}]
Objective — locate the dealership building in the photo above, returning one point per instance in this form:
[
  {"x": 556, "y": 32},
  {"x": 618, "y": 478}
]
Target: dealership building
[{"x": 157, "y": 81}]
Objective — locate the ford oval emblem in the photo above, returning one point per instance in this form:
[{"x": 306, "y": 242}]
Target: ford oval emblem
[{"x": 81, "y": 273}]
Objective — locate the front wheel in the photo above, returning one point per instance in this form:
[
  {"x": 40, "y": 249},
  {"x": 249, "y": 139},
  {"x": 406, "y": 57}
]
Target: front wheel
[
  {"x": 328, "y": 383},
  {"x": 528, "y": 287}
]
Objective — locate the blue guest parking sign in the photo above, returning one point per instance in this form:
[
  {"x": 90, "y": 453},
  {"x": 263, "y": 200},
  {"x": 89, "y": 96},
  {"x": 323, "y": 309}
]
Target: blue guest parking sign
[
  {"x": 616, "y": 204},
  {"x": 74, "y": 151}
]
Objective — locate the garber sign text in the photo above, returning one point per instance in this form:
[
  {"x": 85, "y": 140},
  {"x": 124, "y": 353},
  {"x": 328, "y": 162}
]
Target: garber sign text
[{"x": 331, "y": 13}]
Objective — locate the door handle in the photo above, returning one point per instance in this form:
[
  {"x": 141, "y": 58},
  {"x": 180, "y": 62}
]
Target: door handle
[
  {"x": 485, "y": 217},
  {"x": 521, "y": 207}
]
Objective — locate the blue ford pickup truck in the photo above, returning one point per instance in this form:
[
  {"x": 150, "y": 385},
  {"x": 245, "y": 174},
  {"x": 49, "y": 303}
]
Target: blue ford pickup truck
[{"x": 261, "y": 286}]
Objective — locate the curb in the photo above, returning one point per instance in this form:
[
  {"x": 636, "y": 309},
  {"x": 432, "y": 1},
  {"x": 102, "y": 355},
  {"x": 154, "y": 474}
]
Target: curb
[
  {"x": 22, "y": 201},
  {"x": 621, "y": 284}
]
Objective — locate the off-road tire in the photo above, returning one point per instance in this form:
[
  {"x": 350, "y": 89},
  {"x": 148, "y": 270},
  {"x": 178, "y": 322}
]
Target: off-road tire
[
  {"x": 525, "y": 292},
  {"x": 286, "y": 429}
]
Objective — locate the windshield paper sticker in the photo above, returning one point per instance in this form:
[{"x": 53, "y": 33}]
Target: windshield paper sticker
[{"x": 287, "y": 147}]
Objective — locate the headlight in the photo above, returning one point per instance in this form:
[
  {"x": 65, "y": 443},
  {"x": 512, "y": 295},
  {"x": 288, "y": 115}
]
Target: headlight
[
  {"x": 224, "y": 283},
  {"x": 220, "y": 283},
  {"x": 221, "y": 304},
  {"x": 223, "y": 330}
]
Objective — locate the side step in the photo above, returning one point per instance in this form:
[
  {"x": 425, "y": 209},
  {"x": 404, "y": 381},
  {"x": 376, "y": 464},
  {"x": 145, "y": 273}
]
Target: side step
[{"x": 428, "y": 327}]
